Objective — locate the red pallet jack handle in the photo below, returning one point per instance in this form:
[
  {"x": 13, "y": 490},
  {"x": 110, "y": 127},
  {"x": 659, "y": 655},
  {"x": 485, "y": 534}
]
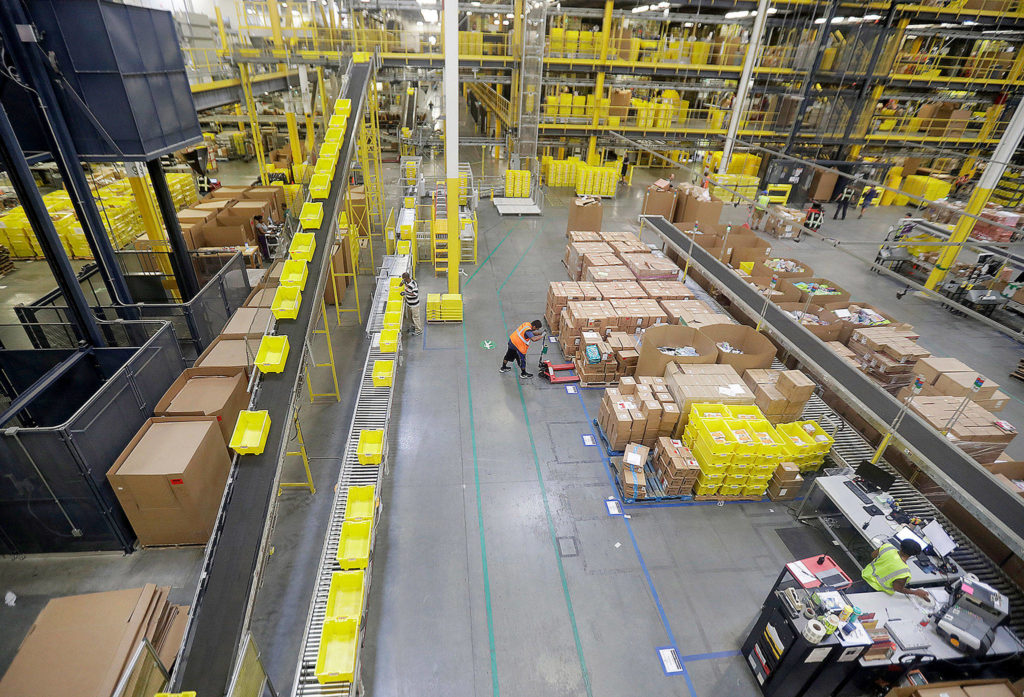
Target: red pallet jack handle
[{"x": 550, "y": 372}]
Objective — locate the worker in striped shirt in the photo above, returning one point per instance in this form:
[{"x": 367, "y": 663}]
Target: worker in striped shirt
[{"x": 411, "y": 293}]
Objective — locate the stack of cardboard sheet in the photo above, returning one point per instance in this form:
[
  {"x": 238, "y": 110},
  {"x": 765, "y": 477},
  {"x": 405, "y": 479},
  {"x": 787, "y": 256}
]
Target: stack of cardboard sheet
[
  {"x": 785, "y": 483},
  {"x": 559, "y": 295},
  {"x": 781, "y": 395},
  {"x": 81, "y": 644},
  {"x": 576, "y": 251},
  {"x": 887, "y": 355},
  {"x": 652, "y": 267},
  {"x": 976, "y": 431},
  {"x": 693, "y": 384},
  {"x": 667, "y": 290},
  {"x": 674, "y": 466}
]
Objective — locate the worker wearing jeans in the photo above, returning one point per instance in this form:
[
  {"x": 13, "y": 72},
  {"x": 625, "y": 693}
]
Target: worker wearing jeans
[
  {"x": 518, "y": 343},
  {"x": 411, "y": 293}
]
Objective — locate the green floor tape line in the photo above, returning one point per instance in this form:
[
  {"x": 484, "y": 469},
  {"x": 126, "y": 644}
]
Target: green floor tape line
[
  {"x": 481, "y": 264},
  {"x": 480, "y": 522},
  {"x": 544, "y": 492}
]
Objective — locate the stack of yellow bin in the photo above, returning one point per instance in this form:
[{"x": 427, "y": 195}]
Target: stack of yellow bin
[
  {"x": 445, "y": 307},
  {"x": 806, "y": 443},
  {"x": 594, "y": 180},
  {"x": 517, "y": 183}
]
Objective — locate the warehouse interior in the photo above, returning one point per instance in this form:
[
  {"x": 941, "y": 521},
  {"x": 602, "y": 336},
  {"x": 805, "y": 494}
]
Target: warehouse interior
[{"x": 485, "y": 348}]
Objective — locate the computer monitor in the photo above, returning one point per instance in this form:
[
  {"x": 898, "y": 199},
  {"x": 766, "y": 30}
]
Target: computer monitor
[{"x": 875, "y": 477}]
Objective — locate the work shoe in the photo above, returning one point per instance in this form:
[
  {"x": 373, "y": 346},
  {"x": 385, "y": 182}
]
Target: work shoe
[
  {"x": 504, "y": 369},
  {"x": 526, "y": 375}
]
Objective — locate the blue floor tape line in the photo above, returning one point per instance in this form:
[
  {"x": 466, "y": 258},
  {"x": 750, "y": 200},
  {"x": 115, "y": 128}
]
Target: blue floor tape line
[{"x": 708, "y": 656}]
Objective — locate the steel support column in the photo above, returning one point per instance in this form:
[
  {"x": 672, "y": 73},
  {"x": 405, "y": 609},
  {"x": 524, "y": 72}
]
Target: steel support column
[
  {"x": 994, "y": 170},
  {"x": 31, "y": 65},
  {"x": 805, "y": 93},
  {"x": 451, "y": 138},
  {"x": 743, "y": 87},
  {"x": 39, "y": 218},
  {"x": 181, "y": 260}
]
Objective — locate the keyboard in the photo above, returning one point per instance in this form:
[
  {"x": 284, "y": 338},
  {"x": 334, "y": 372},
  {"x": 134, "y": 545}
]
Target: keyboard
[{"x": 857, "y": 491}]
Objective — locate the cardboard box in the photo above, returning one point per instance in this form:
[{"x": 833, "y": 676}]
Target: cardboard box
[
  {"x": 961, "y": 384},
  {"x": 217, "y": 392},
  {"x": 274, "y": 195},
  {"x": 784, "y": 491},
  {"x": 170, "y": 479},
  {"x": 634, "y": 457},
  {"x": 229, "y": 353},
  {"x": 1008, "y": 473},
  {"x": 660, "y": 200},
  {"x": 195, "y": 215},
  {"x": 216, "y": 205},
  {"x": 757, "y": 350},
  {"x": 653, "y": 340},
  {"x": 1001, "y": 689},
  {"x": 795, "y": 386},
  {"x": 820, "y": 298},
  {"x": 235, "y": 192},
  {"x": 248, "y": 322},
  {"x": 584, "y": 214},
  {"x": 260, "y": 297},
  {"x": 932, "y": 367},
  {"x": 815, "y": 319},
  {"x": 221, "y": 234},
  {"x": 949, "y": 691}
]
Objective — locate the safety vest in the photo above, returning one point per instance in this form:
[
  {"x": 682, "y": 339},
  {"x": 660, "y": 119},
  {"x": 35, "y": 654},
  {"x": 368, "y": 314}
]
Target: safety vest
[
  {"x": 814, "y": 219},
  {"x": 762, "y": 202},
  {"x": 518, "y": 337},
  {"x": 847, "y": 194},
  {"x": 885, "y": 568}
]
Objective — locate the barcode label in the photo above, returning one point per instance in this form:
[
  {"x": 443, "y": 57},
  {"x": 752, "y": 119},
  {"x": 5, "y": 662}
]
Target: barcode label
[
  {"x": 589, "y": 440},
  {"x": 571, "y": 389},
  {"x": 670, "y": 660},
  {"x": 613, "y": 507}
]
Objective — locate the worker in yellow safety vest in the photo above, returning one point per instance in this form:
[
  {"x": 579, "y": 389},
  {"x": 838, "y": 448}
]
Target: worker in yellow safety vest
[
  {"x": 518, "y": 343},
  {"x": 888, "y": 571}
]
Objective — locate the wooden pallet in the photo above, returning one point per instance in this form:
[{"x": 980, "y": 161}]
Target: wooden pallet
[{"x": 1019, "y": 372}]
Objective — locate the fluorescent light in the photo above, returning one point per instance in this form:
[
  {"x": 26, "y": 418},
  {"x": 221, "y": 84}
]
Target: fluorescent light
[
  {"x": 475, "y": 3},
  {"x": 687, "y": 24},
  {"x": 505, "y": 22},
  {"x": 429, "y": 16},
  {"x": 772, "y": 10},
  {"x": 510, "y": 15},
  {"x": 640, "y": 8},
  {"x": 419, "y": 24},
  {"x": 875, "y": 18},
  {"x": 662, "y": 5},
  {"x": 432, "y": 40},
  {"x": 737, "y": 15}
]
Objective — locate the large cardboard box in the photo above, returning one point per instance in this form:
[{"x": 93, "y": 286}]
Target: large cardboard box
[
  {"x": 584, "y": 214},
  {"x": 195, "y": 215},
  {"x": 756, "y": 351},
  {"x": 170, "y": 479},
  {"x": 221, "y": 234},
  {"x": 656, "y": 341},
  {"x": 816, "y": 320},
  {"x": 619, "y": 103},
  {"x": 260, "y": 297},
  {"x": 229, "y": 353},
  {"x": 216, "y": 204},
  {"x": 823, "y": 184},
  {"x": 961, "y": 384},
  {"x": 235, "y": 192},
  {"x": 660, "y": 199},
  {"x": 819, "y": 285},
  {"x": 274, "y": 195},
  {"x": 788, "y": 268},
  {"x": 702, "y": 211},
  {"x": 248, "y": 322},
  {"x": 334, "y": 291},
  {"x": 932, "y": 367},
  {"x": 217, "y": 392}
]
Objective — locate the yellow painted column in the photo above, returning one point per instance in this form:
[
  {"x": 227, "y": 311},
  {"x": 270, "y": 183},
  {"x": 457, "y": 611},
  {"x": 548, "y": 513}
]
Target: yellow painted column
[
  {"x": 293, "y": 138},
  {"x": 241, "y": 124},
  {"x": 451, "y": 139},
  {"x": 310, "y": 133},
  {"x": 323, "y": 95},
  {"x": 964, "y": 226},
  {"x": 154, "y": 229},
  {"x": 221, "y": 31},
  {"x": 454, "y": 246},
  {"x": 275, "y": 31},
  {"x": 592, "y": 150}
]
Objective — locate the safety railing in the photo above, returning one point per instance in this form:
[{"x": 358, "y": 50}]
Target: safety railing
[
  {"x": 935, "y": 67},
  {"x": 962, "y": 124}
]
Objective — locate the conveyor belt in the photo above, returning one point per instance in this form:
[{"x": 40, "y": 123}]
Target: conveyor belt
[
  {"x": 372, "y": 411},
  {"x": 965, "y": 480},
  {"x": 235, "y": 555},
  {"x": 392, "y": 266}
]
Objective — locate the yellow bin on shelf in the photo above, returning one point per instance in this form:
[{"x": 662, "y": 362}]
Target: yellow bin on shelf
[
  {"x": 336, "y": 660},
  {"x": 286, "y": 302},
  {"x": 250, "y": 434},
  {"x": 311, "y": 215},
  {"x": 272, "y": 353},
  {"x": 294, "y": 273},
  {"x": 383, "y": 372},
  {"x": 370, "y": 448},
  {"x": 345, "y": 597},
  {"x": 354, "y": 544},
  {"x": 389, "y": 340},
  {"x": 302, "y": 246},
  {"x": 360, "y": 502}
]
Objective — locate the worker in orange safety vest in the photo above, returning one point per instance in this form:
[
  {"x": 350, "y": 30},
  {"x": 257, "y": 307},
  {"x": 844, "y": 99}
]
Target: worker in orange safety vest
[{"x": 518, "y": 343}]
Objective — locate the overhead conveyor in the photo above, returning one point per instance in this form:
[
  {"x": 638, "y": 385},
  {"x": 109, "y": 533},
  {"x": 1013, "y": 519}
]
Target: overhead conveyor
[
  {"x": 235, "y": 555},
  {"x": 960, "y": 476}
]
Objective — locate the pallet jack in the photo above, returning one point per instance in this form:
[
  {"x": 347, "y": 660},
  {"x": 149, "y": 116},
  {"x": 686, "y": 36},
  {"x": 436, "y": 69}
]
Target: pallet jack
[{"x": 551, "y": 371}]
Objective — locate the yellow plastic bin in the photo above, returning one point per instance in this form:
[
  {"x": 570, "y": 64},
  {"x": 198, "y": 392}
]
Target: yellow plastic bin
[
  {"x": 392, "y": 319},
  {"x": 345, "y": 596},
  {"x": 360, "y": 502},
  {"x": 354, "y": 544},
  {"x": 822, "y": 441},
  {"x": 320, "y": 185},
  {"x": 746, "y": 411},
  {"x": 286, "y": 302},
  {"x": 302, "y": 246},
  {"x": 326, "y": 165},
  {"x": 389, "y": 340},
  {"x": 272, "y": 354},
  {"x": 330, "y": 149},
  {"x": 334, "y": 135},
  {"x": 294, "y": 273},
  {"x": 250, "y": 434},
  {"x": 383, "y": 373},
  {"x": 370, "y": 448},
  {"x": 311, "y": 215},
  {"x": 336, "y": 660}
]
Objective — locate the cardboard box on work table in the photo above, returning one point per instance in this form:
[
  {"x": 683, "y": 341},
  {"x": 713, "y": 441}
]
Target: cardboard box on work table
[
  {"x": 584, "y": 214},
  {"x": 247, "y": 322},
  {"x": 653, "y": 340},
  {"x": 260, "y": 297},
  {"x": 756, "y": 351},
  {"x": 170, "y": 479}
]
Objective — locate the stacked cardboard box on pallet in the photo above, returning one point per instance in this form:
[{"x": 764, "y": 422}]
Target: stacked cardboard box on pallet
[
  {"x": 584, "y": 236},
  {"x": 651, "y": 267},
  {"x": 614, "y": 290},
  {"x": 953, "y": 378},
  {"x": 593, "y": 259},
  {"x": 667, "y": 290},
  {"x": 976, "y": 430},
  {"x": 622, "y": 245},
  {"x": 674, "y": 466},
  {"x": 781, "y": 395},
  {"x": 598, "y": 274},
  {"x": 643, "y": 413},
  {"x": 887, "y": 355},
  {"x": 630, "y": 469},
  {"x": 785, "y": 483},
  {"x": 575, "y": 252},
  {"x": 699, "y": 383},
  {"x": 638, "y": 314},
  {"x": 595, "y": 361},
  {"x": 577, "y": 316},
  {"x": 559, "y": 295},
  {"x": 693, "y": 313}
]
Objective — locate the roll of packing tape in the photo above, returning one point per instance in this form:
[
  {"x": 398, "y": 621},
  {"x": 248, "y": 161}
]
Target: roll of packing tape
[
  {"x": 808, "y": 613},
  {"x": 814, "y": 632},
  {"x": 831, "y": 623}
]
